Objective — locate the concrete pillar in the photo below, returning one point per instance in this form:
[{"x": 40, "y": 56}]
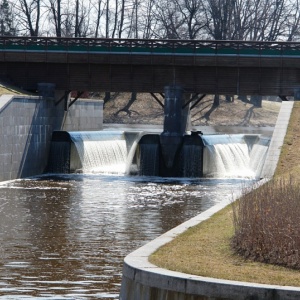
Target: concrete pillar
[
  {"x": 173, "y": 110},
  {"x": 186, "y": 122},
  {"x": 297, "y": 94},
  {"x": 46, "y": 90},
  {"x": 171, "y": 138}
]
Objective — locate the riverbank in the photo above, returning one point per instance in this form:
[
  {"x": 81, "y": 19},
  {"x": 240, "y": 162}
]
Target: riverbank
[
  {"x": 205, "y": 250},
  {"x": 145, "y": 110}
]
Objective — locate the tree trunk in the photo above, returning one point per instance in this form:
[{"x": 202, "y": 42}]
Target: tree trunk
[
  {"x": 216, "y": 101},
  {"x": 243, "y": 98},
  {"x": 107, "y": 20},
  {"x": 128, "y": 105},
  {"x": 256, "y": 100},
  {"x": 77, "y": 19},
  {"x": 229, "y": 98},
  {"x": 107, "y": 97},
  {"x": 98, "y": 19}
]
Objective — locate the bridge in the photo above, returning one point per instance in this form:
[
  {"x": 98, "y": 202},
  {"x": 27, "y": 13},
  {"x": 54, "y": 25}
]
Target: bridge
[{"x": 208, "y": 67}]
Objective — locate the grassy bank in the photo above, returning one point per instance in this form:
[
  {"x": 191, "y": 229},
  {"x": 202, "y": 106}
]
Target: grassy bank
[{"x": 205, "y": 249}]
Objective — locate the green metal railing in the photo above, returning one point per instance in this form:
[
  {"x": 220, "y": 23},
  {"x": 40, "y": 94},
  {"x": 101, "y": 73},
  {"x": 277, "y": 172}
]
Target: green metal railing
[{"x": 141, "y": 46}]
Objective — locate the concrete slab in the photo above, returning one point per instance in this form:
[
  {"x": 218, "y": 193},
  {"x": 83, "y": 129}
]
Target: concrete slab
[{"x": 277, "y": 139}]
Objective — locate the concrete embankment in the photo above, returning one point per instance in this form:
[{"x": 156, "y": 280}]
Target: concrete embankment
[
  {"x": 26, "y": 126},
  {"x": 144, "y": 281}
]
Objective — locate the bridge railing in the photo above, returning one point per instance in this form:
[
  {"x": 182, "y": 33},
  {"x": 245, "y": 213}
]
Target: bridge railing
[{"x": 143, "y": 46}]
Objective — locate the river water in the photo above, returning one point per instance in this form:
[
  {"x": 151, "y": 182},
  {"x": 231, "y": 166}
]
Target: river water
[{"x": 65, "y": 236}]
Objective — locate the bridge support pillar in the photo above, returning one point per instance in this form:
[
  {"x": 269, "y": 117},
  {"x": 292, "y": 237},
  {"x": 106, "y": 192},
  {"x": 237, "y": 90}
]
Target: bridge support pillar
[
  {"x": 46, "y": 90},
  {"x": 173, "y": 153},
  {"x": 174, "y": 124},
  {"x": 297, "y": 94}
]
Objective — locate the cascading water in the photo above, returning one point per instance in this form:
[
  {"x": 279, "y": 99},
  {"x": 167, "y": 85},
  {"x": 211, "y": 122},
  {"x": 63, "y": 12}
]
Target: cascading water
[
  {"x": 230, "y": 156},
  {"x": 101, "y": 152},
  {"x": 113, "y": 152}
]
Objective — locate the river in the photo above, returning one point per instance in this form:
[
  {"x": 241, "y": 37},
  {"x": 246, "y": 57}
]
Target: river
[{"x": 65, "y": 236}]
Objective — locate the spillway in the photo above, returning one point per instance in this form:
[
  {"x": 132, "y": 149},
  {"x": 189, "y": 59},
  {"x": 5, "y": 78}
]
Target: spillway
[
  {"x": 118, "y": 152},
  {"x": 234, "y": 156},
  {"x": 101, "y": 152}
]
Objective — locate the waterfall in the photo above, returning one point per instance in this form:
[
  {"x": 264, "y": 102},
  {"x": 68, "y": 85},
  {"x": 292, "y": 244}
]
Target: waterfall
[
  {"x": 230, "y": 156},
  {"x": 101, "y": 151},
  {"x": 115, "y": 152}
]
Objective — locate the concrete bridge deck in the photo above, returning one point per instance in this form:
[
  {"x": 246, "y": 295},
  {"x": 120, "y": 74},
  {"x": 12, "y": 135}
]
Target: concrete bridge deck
[{"x": 216, "y": 67}]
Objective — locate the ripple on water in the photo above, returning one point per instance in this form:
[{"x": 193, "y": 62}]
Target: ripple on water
[{"x": 66, "y": 237}]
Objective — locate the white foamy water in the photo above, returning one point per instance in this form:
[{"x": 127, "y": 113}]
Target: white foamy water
[
  {"x": 225, "y": 156},
  {"x": 257, "y": 158},
  {"x": 101, "y": 152},
  {"x": 231, "y": 157}
]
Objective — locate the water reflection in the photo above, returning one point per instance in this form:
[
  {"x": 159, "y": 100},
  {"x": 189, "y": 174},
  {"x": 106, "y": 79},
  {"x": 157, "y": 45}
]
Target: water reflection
[{"x": 65, "y": 237}]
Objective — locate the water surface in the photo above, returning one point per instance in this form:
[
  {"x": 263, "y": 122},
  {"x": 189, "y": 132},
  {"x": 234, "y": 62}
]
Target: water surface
[{"x": 65, "y": 237}]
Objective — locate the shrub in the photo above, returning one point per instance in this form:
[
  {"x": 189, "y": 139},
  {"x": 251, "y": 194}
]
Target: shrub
[{"x": 267, "y": 224}]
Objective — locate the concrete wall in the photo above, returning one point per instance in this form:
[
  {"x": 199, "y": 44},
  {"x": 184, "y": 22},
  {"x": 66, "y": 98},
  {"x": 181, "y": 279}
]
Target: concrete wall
[
  {"x": 26, "y": 126},
  {"x": 84, "y": 115}
]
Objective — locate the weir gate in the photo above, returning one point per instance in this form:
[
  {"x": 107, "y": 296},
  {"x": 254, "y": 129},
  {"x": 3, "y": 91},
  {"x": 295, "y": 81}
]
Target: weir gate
[{"x": 207, "y": 67}]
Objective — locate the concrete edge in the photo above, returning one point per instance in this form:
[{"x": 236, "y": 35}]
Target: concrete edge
[
  {"x": 5, "y": 100},
  {"x": 89, "y": 100},
  {"x": 138, "y": 270},
  {"x": 277, "y": 139}
]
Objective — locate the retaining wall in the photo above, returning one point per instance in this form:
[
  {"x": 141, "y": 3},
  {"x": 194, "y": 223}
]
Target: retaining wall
[{"x": 26, "y": 126}]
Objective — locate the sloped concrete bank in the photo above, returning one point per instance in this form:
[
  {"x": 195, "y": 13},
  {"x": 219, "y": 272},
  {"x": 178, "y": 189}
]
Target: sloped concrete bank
[
  {"x": 26, "y": 126},
  {"x": 144, "y": 281}
]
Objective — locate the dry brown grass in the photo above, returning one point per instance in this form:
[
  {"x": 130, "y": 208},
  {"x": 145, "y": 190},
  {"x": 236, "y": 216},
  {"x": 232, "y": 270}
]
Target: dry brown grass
[
  {"x": 289, "y": 162},
  {"x": 267, "y": 224},
  {"x": 205, "y": 250},
  {"x": 145, "y": 110},
  {"x": 11, "y": 90}
]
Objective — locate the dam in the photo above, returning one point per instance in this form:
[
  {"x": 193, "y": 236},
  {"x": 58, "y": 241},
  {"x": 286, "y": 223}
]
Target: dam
[
  {"x": 77, "y": 224},
  {"x": 70, "y": 218}
]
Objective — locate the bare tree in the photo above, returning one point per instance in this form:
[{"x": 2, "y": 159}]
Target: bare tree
[
  {"x": 181, "y": 19},
  {"x": 29, "y": 15},
  {"x": 82, "y": 26},
  {"x": 56, "y": 15},
  {"x": 147, "y": 21},
  {"x": 122, "y": 16},
  {"x": 7, "y": 27},
  {"x": 77, "y": 28},
  {"x": 170, "y": 23},
  {"x": 96, "y": 13},
  {"x": 192, "y": 14},
  {"x": 107, "y": 20},
  {"x": 293, "y": 21},
  {"x": 220, "y": 18}
]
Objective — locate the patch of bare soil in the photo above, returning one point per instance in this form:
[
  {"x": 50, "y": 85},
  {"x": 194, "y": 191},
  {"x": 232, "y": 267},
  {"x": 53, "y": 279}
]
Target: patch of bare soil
[
  {"x": 8, "y": 89},
  {"x": 146, "y": 110}
]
